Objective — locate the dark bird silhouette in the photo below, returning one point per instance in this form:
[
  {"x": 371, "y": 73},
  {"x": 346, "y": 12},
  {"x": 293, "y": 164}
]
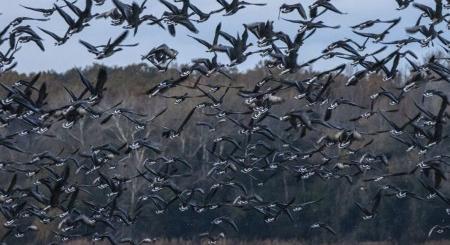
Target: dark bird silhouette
[
  {"x": 108, "y": 49},
  {"x": 235, "y": 6}
]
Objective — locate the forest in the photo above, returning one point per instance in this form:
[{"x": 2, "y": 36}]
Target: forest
[{"x": 402, "y": 220}]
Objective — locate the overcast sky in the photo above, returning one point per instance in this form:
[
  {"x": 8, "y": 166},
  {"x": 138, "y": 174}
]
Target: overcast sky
[{"x": 61, "y": 58}]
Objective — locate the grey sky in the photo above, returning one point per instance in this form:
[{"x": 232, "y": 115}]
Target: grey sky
[{"x": 61, "y": 58}]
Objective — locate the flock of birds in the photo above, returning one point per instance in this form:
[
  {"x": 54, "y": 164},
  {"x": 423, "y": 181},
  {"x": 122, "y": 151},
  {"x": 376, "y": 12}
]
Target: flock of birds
[{"x": 56, "y": 197}]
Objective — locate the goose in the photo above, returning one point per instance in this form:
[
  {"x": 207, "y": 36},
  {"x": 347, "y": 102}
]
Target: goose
[
  {"x": 177, "y": 16},
  {"x": 214, "y": 46},
  {"x": 18, "y": 20},
  {"x": 310, "y": 25},
  {"x": 202, "y": 15},
  {"x": 110, "y": 48},
  {"x": 370, "y": 23},
  {"x": 403, "y": 4},
  {"x": 235, "y": 6},
  {"x": 161, "y": 56},
  {"x": 172, "y": 133},
  {"x": 263, "y": 31},
  {"x": 323, "y": 226},
  {"x": 132, "y": 14},
  {"x": 208, "y": 67},
  {"x": 46, "y": 12},
  {"x": 83, "y": 17},
  {"x": 288, "y": 8},
  {"x": 438, "y": 229},
  {"x": 166, "y": 85},
  {"x": 370, "y": 213},
  {"x": 58, "y": 39},
  {"x": 336, "y": 103},
  {"x": 326, "y": 5},
  {"x": 435, "y": 15}
]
